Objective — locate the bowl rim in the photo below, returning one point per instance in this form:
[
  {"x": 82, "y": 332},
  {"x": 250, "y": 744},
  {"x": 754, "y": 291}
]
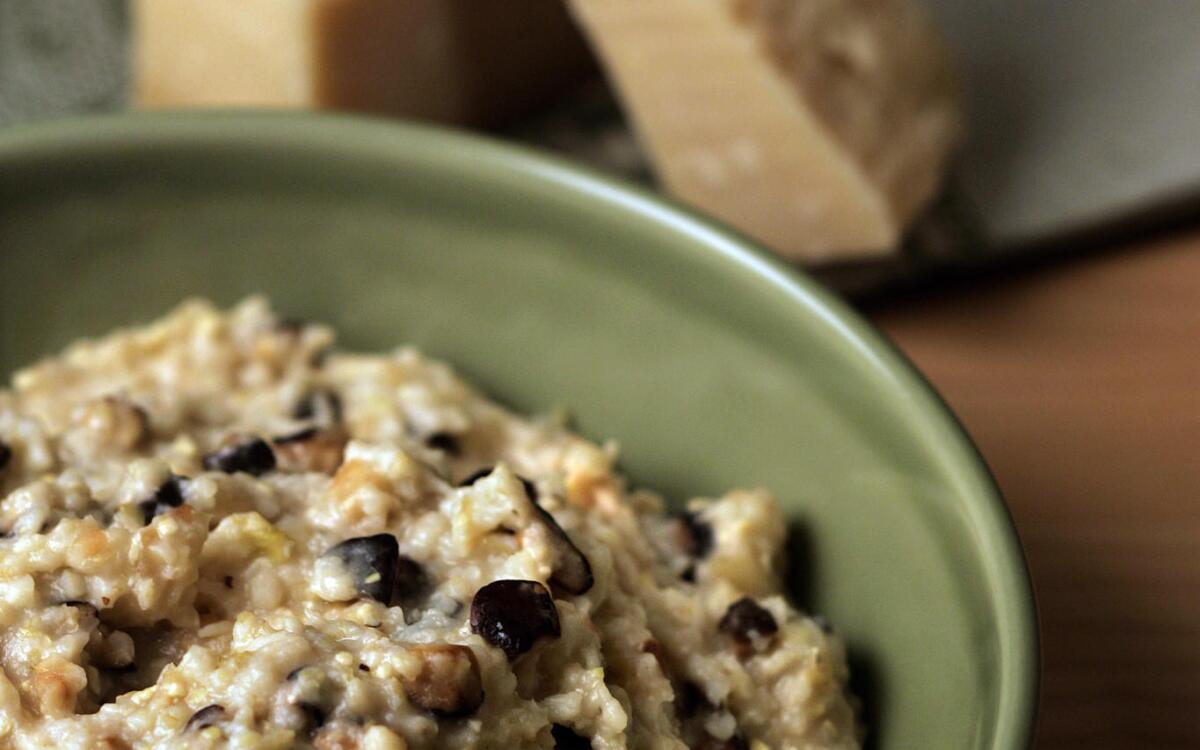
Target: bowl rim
[{"x": 1005, "y": 567}]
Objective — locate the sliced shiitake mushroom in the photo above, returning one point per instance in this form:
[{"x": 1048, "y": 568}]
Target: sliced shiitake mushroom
[
  {"x": 448, "y": 683},
  {"x": 321, "y": 405},
  {"x": 475, "y": 476},
  {"x": 167, "y": 497},
  {"x": 299, "y": 436},
  {"x": 295, "y": 673},
  {"x": 252, "y": 456},
  {"x": 210, "y": 715},
  {"x": 412, "y": 582},
  {"x": 447, "y": 442},
  {"x": 745, "y": 619},
  {"x": 695, "y": 535},
  {"x": 372, "y": 562},
  {"x": 571, "y": 571},
  {"x": 514, "y": 615}
]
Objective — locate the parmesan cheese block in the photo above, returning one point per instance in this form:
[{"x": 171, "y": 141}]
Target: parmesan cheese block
[
  {"x": 450, "y": 60},
  {"x": 819, "y": 127}
]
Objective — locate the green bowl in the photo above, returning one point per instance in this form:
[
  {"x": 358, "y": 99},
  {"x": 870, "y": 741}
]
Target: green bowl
[{"x": 712, "y": 364}]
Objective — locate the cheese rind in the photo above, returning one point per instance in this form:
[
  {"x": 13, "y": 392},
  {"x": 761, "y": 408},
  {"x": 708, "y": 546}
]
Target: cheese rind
[
  {"x": 449, "y": 60},
  {"x": 821, "y": 128}
]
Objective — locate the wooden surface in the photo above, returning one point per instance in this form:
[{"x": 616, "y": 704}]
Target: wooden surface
[{"x": 1081, "y": 385}]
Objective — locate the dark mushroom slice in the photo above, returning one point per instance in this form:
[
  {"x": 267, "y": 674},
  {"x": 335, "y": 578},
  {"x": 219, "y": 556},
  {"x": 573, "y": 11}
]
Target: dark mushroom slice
[
  {"x": 87, "y": 607},
  {"x": 447, "y": 442},
  {"x": 299, "y": 436},
  {"x": 449, "y": 683},
  {"x": 372, "y": 562},
  {"x": 566, "y": 738},
  {"x": 167, "y": 497},
  {"x": 322, "y": 405},
  {"x": 745, "y": 619},
  {"x": 208, "y": 716},
  {"x": 412, "y": 582},
  {"x": 694, "y": 535},
  {"x": 251, "y": 456},
  {"x": 475, "y": 476},
  {"x": 572, "y": 572},
  {"x": 5, "y": 455},
  {"x": 291, "y": 676},
  {"x": 514, "y": 615}
]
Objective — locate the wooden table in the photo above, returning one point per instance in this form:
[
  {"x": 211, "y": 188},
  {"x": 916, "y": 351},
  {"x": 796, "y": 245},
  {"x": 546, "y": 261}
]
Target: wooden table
[{"x": 1081, "y": 385}]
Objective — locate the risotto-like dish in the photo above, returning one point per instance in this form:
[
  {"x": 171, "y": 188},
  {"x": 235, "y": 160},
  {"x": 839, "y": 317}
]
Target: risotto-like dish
[{"x": 215, "y": 532}]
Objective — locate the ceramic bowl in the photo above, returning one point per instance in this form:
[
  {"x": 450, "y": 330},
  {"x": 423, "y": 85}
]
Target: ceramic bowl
[{"x": 713, "y": 365}]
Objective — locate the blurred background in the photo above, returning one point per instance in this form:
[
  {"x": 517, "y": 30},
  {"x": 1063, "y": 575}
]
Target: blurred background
[{"x": 1010, "y": 189}]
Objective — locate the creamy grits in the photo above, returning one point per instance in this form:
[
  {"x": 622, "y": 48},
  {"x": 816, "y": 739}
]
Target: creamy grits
[{"x": 217, "y": 531}]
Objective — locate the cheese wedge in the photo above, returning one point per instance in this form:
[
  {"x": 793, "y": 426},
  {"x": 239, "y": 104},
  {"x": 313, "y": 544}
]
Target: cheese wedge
[
  {"x": 819, "y": 127},
  {"x": 450, "y": 60}
]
